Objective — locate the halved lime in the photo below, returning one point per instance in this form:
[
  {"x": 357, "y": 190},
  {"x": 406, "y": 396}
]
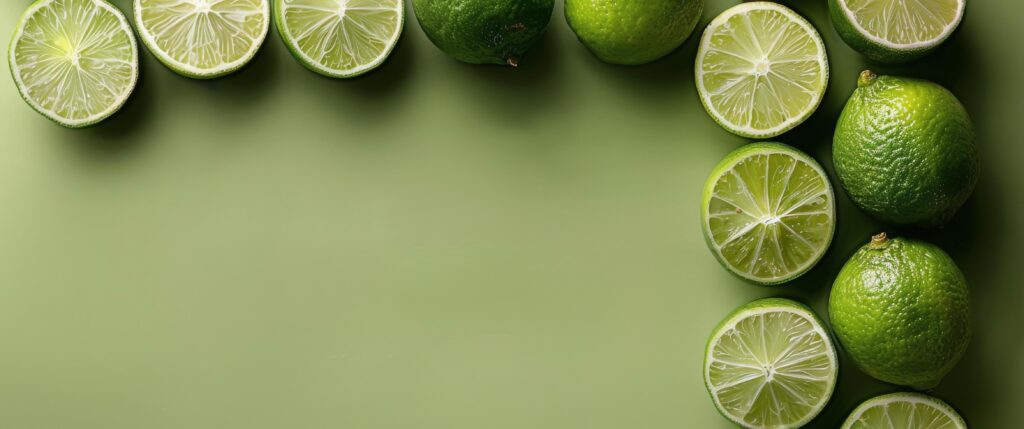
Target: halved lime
[
  {"x": 770, "y": 364},
  {"x": 74, "y": 61},
  {"x": 761, "y": 69},
  {"x": 203, "y": 38},
  {"x": 896, "y": 30},
  {"x": 904, "y": 410},
  {"x": 768, "y": 212},
  {"x": 340, "y": 38}
]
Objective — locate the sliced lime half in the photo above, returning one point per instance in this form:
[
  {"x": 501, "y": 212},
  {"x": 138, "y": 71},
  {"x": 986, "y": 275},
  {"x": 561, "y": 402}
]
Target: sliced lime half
[
  {"x": 770, "y": 364},
  {"x": 896, "y": 30},
  {"x": 904, "y": 410},
  {"x": 761, "y": 69}
]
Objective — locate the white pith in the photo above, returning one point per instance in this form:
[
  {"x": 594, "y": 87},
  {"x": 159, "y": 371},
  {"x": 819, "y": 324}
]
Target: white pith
[{"x": 852, "y": 18}]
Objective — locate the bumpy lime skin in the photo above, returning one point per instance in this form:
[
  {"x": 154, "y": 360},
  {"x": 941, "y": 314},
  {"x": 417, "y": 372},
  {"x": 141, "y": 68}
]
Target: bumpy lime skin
[
  {"x": 901, "y": 310},
  {"x": 870, "y": 48},
  {"x": 484, "y": 31},
  {"x": 630, "y": 32},
  {"x": 905, "y": 151}
]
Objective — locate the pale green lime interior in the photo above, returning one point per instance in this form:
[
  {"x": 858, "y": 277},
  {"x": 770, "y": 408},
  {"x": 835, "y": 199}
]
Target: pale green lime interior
[
  {"x": 203, "y": 35},
  {"x": 771, "y": 369},
  {"x": 905, "y": 22},
  {"x": 74, "y": 60},
  {"x": 762, "y": 71},
  {"x": 343, "y": 35},
  {"x": 903, "y": 414},
  {"x": 771, "y": 215}
]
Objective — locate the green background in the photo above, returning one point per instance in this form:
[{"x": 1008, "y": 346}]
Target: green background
[{"x": 438, "y": 245}]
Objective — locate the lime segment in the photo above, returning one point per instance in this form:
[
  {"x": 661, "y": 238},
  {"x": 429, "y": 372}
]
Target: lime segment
[
  {"x": 761, "y": 69},
  {"x": 74, "y": 61},
  {"x": 770, "y": 364},
  {"x": 904, "y": 410},
  {"x": 903, "y": 24},
  {"x": 340, "y": 38},
  {"x": 768, "y": 212}
]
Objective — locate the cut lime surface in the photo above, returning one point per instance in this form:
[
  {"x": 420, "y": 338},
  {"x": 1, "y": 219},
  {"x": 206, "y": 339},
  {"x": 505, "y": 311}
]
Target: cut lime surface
[
  {"x": 74, "y": 61},
  {"x": 904, "y": 410},
  {"x": 896, "y": 30},
  {"x": 768, "y": 212},
  {"x": 340, "y": 38},
  {"x": 770, "y": 364},
  {"x": 761, "y": 69},
  {"x": 203, "y": 38}
]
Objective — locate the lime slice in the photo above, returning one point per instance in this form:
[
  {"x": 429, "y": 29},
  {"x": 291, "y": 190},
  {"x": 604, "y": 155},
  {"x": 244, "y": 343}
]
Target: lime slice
[
  {"x": 761, "y": 69},
  {"x": 904, "y": 410},
  {"x": 770, "y": 364},
  {"x": 768, "y": 212},
  {"x": 896, "y": 30},
  {"x": 203, "y": 38},
  {"x": 340, "y": 38},
  {"x": 74, "y": 61}
]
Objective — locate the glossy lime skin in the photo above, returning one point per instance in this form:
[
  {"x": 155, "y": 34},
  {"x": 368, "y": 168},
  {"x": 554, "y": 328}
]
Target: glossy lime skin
[
  {"x": 870, "y": 48},
  {"x": 901, "y": 310},
  {"x": 484, "y": 31},
  {"x": 905, "y": 151},
  {"x": 631, "y": 32}
]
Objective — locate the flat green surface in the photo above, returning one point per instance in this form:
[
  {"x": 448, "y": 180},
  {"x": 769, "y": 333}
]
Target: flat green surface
[{"x": 437, "y": 245}]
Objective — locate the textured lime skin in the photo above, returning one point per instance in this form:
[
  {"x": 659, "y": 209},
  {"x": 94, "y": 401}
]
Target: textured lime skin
[
  {"x": 632, "y": 32},
  {"x": 901, "y": 309},
  {"x": 938, "y": 403},
  {"x": 871, "y": 49},
  {"x": 484, "y": 31},
  {"x": 905, "y": 151}
]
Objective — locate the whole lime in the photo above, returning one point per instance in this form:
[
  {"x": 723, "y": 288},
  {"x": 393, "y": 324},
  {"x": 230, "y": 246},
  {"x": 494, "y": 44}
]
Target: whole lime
[
  {"x": 905, "y": 150},
  {"x": 901, "y": 310},
  {"x": 632, "y": 32},
  {"x": 484, "y": 31}
]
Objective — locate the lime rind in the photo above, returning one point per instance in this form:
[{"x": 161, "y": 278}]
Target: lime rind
[
  {"x": 228, "y": 20},
  {"x": 282, "y": 8},
  {"x": 910, "y": 405},
  {"x": 884, "y": 44},
  {"x": 797, "y": 361},
  {"x": 764, "y": 86}
]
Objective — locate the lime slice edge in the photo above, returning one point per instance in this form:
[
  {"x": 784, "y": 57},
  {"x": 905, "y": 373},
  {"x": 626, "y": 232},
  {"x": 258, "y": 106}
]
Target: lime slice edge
[
  {"x": 938, "y": 39},
  {"x": 916, "y": 399}
]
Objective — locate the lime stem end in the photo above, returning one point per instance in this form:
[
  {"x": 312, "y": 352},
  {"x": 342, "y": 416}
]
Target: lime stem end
[
  {"x": 879, "y": 241},
  {"x": 513, "y": 62},
  {"x": 867, "y": 77}
]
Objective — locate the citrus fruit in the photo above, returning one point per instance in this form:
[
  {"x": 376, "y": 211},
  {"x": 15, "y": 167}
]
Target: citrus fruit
[
  {"x": 901, "y": 310},
  {"x": 761, "y": 69},
  {"x": 768, "y": 213},
  {"x": 340, "y": 38},
  {"x": 905, "y": 150},
  {"x": 904, "y": 410},
  {"x": 896, "y": 31},
  {"x": 632, "y": 32},
  {"x": 770, "y": 364},
  {"x": 74, "y": 61},
  {"x": 484, "y": 31},
  {"x": 203, "y": 38}
]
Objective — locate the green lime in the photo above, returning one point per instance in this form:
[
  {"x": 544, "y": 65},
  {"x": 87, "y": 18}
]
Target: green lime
[
  {"x": 770, "y": 364},
  {"x": 484, "y": 31},
  {"x": 203, "y": 38},
  {"x": 632, "y": 32},
  {"x": 768, "y": 213},
  {"x": 74, "y": 61},
  {"x": 901, "y": 309},
  {"x": 340, "y": 38},
  {"x": 905, "y": 150},
  {"x": 895, "y": 31},
  {"x": 904, "y": 410},
  {"x": 761, "y": 69}
]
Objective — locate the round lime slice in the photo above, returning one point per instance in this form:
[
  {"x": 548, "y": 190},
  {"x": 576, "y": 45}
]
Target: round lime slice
[
  {"x": 768, "y": 212},
  {"x": 904, "y": 410},
  {"x": 203, "y": 38},
  {"x": 761, "y": 69},
  {"x": 770, "y": 364},
  {"x": 896, "y": 30},
  {"x": 74, "y": 61},
  {"x": 340, "y": 38}
]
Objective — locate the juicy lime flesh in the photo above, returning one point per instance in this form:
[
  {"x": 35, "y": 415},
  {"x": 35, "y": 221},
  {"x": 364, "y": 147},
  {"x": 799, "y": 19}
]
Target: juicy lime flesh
[
  {"x": 916, "y": 411},
  {"x": 771, "y": 215},
  {"x": 762, "y": 71},
  {"x": 905, "y": 22},
  {"x": 771, "y": 369},
  {"x": 342, "y": 36},
  {"x": 75, "y": 60},
  {"x": 203, "y": 36}
]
